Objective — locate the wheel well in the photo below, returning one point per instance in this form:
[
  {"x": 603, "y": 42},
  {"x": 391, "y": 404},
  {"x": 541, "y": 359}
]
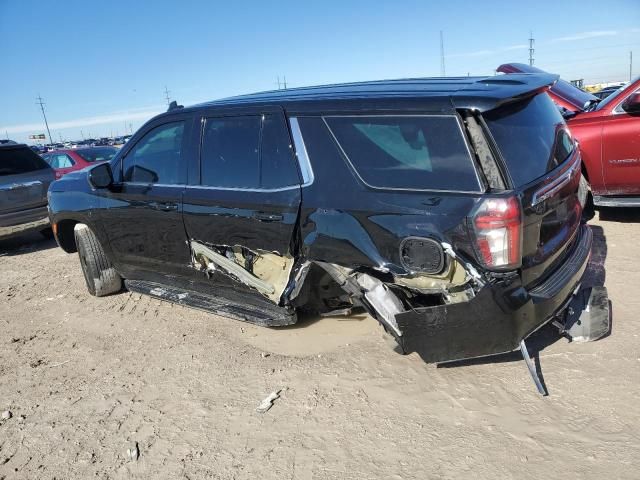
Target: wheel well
[
  {"x": 65, "y": 235},
  {"x": 585, "y": 174}
]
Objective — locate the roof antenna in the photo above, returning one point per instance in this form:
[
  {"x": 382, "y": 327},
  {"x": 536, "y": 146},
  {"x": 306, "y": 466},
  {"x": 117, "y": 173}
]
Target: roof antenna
[{"x": 174, "y": 106}]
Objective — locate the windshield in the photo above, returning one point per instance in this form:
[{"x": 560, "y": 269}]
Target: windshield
[
  {"x": 615, "y": 95},
  {"x": 97, "y": 154}
]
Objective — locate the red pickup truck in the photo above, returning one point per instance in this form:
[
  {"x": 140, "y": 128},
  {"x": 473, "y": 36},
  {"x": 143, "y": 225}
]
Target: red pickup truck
[{"x": 608, "y": 132}]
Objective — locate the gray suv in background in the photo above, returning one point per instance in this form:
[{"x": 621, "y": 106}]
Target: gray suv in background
[{"x": 24, "y": 181}]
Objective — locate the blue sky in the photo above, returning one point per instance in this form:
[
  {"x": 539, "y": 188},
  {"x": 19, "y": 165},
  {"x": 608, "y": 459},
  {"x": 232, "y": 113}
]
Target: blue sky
[{"x": 102, "y": 67}]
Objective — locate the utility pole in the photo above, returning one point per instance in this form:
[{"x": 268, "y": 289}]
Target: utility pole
[
  {"x": 41, "y": 103},
  {"x": 166, "y": 95},
  {"x": 278, "y": 82},
  {"x": 285, "y": 82},
  {"x": 82, "y": 134},
  {"x": 531, "y": 49},
  {"x": 630, "y": 65},
  {"x": 442, "y": 67}
]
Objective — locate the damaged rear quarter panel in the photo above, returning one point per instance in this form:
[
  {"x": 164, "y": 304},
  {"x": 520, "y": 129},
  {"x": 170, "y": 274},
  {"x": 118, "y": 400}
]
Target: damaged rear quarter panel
[{"x": 346, "y": 223}]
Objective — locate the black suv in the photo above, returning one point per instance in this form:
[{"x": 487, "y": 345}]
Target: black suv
[
  {"x": 449, "y": 208},
  {"x": 24, "y": 181}
]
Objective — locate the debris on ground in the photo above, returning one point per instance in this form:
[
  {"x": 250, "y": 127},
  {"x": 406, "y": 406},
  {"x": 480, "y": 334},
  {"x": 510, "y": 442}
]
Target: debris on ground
[
  {"x": 267, "y": 403},
  {"x": 133, "y": 452},
  {"x": 6, "y": 415}
]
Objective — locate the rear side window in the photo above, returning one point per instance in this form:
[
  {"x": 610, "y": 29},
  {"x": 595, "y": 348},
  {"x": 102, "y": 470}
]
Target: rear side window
[
  {"x": 531, "y": 136},
  {"x": 97, "y": 154},
  {"x": 59, "y": 160},
  {"x": 250, "y": 151},
  {"x": 14, "y": 161},
  {"x": 156, "y": 157},
  {"x": 407, "y": 152}
]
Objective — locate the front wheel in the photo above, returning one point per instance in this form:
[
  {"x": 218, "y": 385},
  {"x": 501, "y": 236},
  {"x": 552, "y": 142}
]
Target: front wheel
[{"x": 99, "y": 274}]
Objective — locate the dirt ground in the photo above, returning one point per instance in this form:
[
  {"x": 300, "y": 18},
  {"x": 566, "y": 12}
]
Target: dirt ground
[{"x": 86, "y": 378}]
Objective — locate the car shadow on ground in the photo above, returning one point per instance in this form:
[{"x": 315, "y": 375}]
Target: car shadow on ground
[
  {"x": 594, "y": 276},
  {"x": 26, "y": 243},
  {"x": 621, "y": 215}
]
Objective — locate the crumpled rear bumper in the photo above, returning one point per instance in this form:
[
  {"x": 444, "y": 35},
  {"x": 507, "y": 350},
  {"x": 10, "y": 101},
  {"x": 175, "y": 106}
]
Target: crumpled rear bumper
[{"x": 497, "y": 318}]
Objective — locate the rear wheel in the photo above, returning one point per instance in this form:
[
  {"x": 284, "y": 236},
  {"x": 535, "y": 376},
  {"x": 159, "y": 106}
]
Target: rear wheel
[{"x": 99, "y": 274}]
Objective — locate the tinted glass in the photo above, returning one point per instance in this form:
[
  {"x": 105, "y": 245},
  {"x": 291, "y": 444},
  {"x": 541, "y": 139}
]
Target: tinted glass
[
  {"x": 103, "y": 154},
  {"x": 277, "y": 164},
  {"x": 156, "y": 157},
  {"x": 19, "y": 160},
  {"x": 230, "y": 152},
  {"x": 409, "y": 152},
  {"x": 531, "y": 136}
]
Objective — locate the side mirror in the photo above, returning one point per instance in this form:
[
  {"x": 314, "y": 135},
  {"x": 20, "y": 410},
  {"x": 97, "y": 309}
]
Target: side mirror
[
  {"x": 632, "y": 103},
  {"x": 101, "y": 176}
]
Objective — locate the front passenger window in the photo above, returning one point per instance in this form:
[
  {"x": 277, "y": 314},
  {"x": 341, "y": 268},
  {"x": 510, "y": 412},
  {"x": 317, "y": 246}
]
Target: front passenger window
[{"x": 156, "y": 158}]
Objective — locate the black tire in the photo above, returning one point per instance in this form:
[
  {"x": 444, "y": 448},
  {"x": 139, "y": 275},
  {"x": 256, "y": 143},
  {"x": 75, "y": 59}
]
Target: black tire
[{"x": 99, "y": 274}]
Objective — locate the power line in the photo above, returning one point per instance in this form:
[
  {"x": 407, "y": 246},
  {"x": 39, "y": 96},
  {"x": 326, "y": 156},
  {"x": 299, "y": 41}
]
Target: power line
[
  {"x": 282, "y": 84},
  {"x": 41, "y": 103},
  {"x": 442, "y": 66},
  {"x": 531, "y": 49}
]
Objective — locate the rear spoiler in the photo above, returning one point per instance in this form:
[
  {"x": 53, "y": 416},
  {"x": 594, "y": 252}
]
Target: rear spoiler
[{"x": 493, "y": 92}]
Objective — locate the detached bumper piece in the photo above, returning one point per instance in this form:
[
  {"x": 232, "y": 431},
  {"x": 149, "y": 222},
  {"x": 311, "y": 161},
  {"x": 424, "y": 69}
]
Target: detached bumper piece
[
  {"x": 501, "y": 315},
  {"x": 588, "y": 317}
]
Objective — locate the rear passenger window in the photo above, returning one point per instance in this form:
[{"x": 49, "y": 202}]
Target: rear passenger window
[
  {"x": 407, "y": 152},
  {"x": 156, "y": 158},
  {"x": 247, "y": 152},
  {"x": 230, "y": 152},
  {"x": 60, "y": 160},
  {"x": 278, "y": 168}
]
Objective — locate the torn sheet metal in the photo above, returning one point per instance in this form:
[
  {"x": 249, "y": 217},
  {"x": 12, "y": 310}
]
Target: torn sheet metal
[{"x": 267, "y": 272}]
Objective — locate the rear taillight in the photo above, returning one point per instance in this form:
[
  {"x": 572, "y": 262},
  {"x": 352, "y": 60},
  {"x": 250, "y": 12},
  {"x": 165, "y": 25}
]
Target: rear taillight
[{"x": 497, "y": 225}]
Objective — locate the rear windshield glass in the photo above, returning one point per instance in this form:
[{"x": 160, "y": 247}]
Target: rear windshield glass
[
  {"x": 14, "y": 161},
  {"x": 408, "y": 152},
  {"x": 531, "y": 136},
  {"x": 97, "y": 154}
]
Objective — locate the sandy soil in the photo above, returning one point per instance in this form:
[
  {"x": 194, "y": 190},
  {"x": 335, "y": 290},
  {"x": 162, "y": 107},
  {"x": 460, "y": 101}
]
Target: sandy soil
[{"x": 85, "y": 378}]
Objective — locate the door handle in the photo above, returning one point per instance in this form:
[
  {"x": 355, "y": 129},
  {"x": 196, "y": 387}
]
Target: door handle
[
  {"x": 268, "y": 217},
  {"x": 163, "y": 206}
]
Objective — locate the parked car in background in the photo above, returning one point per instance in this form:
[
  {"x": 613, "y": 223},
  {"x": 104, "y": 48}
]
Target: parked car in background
[
  {"x": 605, "y": 92},
  {"x": 65, "y": 161},
  {"x": 24, "y": 181},
  {"x": 609, "y": 135},
  {"x": 425, "y": 201}
]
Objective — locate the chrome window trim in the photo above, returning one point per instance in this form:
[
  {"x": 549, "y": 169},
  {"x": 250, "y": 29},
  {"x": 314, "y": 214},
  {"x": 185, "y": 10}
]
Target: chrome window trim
[
  {"x": 618, "y": 110},
  {"x": 208, "y": 187},
  {"x": 355, "y": 170},
  {"x": 145, "y": 184},
  {"x": 301, "y": 153}
]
